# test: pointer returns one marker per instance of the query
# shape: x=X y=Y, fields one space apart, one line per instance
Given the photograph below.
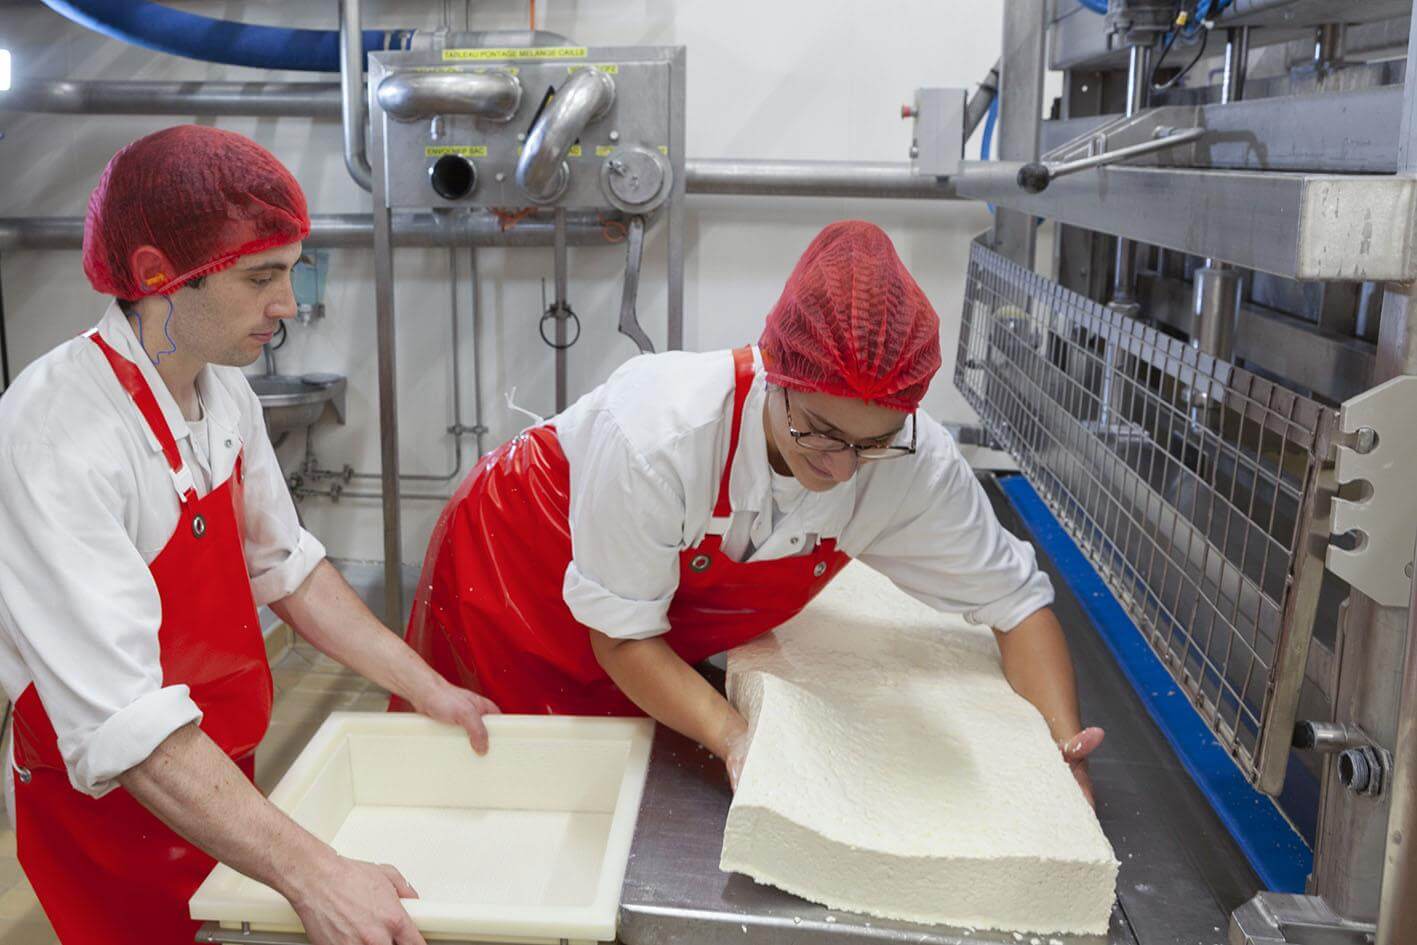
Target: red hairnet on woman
x=695 y=501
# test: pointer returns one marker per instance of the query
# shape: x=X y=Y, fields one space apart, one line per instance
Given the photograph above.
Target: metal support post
x=1124 y=280
x=1354 y=831
x=1397 y=914
x=1020 y=114
x=561 y=312
x=1217 y=284
x=386 y=337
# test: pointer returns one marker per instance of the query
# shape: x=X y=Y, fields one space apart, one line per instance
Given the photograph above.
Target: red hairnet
x=203 y=196
x=852 y=322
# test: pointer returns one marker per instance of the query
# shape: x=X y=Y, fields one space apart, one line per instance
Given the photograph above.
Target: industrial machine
x=1212 y=395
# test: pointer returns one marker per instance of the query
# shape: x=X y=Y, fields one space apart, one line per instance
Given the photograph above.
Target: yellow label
x=463 y=150
x=608 y=68
x=533 y=52
x=664 y=149
x=575 y=150
x=508 y=70
x=603 y=150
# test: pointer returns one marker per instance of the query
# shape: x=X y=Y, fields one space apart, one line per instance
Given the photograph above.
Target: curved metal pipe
x=586 y=96
x=410 y=96
x=351 y=73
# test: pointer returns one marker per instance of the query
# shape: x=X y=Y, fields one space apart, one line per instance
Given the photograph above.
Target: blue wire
x=172 y=344
x=1096 y=6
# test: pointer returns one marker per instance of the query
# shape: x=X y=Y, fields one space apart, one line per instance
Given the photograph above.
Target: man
x=696 y=501
x=144 y=517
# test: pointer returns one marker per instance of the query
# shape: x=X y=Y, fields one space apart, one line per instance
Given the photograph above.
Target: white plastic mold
x=528 y=843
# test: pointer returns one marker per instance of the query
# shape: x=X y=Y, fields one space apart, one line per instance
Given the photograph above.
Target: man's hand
x=350 y=902
x=447 y=703
x=1075 y=751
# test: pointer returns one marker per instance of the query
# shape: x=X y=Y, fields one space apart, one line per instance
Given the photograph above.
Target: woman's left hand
x=1075 y=751
x=461 y=707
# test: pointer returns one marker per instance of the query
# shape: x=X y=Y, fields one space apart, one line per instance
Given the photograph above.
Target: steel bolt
x=1367 y=440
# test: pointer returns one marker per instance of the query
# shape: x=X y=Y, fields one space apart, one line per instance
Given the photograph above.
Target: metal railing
x=1191 y=484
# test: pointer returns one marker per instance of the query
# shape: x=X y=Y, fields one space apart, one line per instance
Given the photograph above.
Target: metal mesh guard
x=1189 y=483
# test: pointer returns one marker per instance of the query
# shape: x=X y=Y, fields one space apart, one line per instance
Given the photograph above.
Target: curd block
x=528 y=843
x=893 y=771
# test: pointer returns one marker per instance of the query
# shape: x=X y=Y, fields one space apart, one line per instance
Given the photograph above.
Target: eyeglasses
x=821 y=443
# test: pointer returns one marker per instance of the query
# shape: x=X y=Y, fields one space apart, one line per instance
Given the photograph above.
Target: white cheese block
x=894 y=772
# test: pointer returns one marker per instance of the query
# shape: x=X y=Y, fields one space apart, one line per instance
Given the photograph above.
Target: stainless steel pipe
x=813 y=179
x=725 y=177
x=257 y=99
x=349 y=230
x=352 y=101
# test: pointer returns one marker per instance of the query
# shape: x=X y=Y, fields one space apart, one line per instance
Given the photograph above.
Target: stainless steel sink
x=294 y=403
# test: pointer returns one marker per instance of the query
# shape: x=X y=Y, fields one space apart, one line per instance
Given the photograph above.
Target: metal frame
x=1202 y=520
x=384 y=200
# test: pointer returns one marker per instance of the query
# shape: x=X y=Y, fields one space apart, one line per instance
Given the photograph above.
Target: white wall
x=799 y=79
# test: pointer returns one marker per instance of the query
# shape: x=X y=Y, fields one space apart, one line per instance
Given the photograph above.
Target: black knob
x=1034 y=177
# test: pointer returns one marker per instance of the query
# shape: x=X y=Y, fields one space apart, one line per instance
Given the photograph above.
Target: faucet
x=270 y=354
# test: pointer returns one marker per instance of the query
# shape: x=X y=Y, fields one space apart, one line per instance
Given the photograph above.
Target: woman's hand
x=461 y=707
x=1075 y=751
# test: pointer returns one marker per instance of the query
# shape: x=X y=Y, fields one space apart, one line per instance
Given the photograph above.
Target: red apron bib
x=106 y=870
x=489 y=614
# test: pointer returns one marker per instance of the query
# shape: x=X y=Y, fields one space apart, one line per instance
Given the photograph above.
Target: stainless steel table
x=1181 y=873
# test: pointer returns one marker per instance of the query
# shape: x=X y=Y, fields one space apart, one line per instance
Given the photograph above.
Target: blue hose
x=987 y=138
x=154 y=26
x=1096 y=6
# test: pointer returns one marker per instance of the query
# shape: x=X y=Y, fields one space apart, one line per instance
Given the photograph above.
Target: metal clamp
x=1381 y=451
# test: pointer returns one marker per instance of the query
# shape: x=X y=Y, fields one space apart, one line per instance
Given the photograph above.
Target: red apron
x=489 y=614
x=106 y=870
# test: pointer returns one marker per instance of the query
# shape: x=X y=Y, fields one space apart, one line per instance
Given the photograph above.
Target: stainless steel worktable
x=1181 y=872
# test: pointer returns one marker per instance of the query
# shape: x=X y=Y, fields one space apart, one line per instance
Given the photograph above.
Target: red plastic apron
x=106 y=870
x=489 y=614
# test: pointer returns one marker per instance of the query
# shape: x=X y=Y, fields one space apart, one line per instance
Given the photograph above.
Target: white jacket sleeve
x=78 y=604
x=280 y=554
x=627 y=526
x=945 y=547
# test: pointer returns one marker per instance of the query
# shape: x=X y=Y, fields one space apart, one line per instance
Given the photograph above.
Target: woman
x=696 y=501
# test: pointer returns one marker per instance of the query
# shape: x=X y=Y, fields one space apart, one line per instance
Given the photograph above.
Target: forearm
x=327 y=612
x=192 y=786
x=1039 y=667
x=669 y=690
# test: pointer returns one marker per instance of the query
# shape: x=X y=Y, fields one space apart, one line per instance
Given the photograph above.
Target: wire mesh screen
x=1189 y=483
